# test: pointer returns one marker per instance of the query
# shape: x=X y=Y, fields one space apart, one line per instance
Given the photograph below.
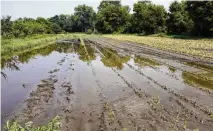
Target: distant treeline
x=183 y=18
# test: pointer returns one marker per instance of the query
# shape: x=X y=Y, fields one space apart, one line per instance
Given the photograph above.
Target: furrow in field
x=200 y=74
x=139 y=93
x=38 y=105
x=205 y=110
x=191 y=66
x=167 y=54
x=202 y=83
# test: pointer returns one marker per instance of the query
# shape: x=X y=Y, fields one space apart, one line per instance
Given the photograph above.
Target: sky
x=49 y=8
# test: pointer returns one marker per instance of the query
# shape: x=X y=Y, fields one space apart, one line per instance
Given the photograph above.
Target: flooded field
x=104 y=84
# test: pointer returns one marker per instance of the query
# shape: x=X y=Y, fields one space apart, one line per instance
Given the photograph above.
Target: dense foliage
x=201 y=13
x=187 y=17
x=148 y=18
x=178 y=21
x=112 y=17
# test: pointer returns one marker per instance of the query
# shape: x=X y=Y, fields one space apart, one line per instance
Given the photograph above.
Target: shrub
x=89 y=31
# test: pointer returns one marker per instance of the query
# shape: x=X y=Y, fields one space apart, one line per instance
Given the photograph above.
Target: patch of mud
x=36 y=103
x=53 y=71
x=68 y=41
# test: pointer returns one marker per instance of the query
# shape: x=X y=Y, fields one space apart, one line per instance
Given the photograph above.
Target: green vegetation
x=199 y=47
x=183 y=18
x=112 y=17
x=53 y=125
x=178 y=21
x=111 y=114
x=148 y=18
x=81 y=21
x=11 y=47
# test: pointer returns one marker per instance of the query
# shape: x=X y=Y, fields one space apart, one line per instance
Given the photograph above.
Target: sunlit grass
x=199 y=47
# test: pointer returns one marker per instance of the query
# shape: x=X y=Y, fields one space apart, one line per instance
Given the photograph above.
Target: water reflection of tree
x=11 y=64
x=91 y=52
x=4 y=75
x=26 y=56
x=196 y=80
x=112 y=59
x=86 y=54
x=45 y=51
x=64 y=48
x=142 y=61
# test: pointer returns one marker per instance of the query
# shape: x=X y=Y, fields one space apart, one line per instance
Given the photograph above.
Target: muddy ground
x=106 y=84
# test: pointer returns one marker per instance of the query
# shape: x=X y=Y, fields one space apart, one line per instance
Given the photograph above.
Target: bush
x=89 y=31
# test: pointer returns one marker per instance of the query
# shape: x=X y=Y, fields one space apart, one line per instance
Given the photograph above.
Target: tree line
x=183 y=18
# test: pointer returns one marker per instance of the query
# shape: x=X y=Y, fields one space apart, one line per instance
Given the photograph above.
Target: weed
x=53 y=125
x=111 y=114
x=124 y=129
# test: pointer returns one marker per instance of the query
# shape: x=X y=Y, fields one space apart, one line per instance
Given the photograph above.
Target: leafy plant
x=53 y=125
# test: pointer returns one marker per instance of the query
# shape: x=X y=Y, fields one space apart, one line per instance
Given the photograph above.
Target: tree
x=6 y=27
x=178 y=21
x=194 y=17
x=112 y=17
x=61 y=20
x=56 y=28
x=148 y=18
x=201 y=13
x=106 y=3
x=46 y=23
x=28 y=26
x=85 y=16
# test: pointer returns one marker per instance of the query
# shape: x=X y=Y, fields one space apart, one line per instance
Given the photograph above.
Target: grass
x=11 y=47
x=199 y=47
x=53 y=125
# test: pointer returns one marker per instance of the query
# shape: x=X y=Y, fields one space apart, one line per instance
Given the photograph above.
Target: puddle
x=145 y=61
x=87 y=73
x=22 y=73
x=195 y=80
x=112 y=59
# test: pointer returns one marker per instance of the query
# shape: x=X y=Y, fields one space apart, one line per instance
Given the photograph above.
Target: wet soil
x=105 y=84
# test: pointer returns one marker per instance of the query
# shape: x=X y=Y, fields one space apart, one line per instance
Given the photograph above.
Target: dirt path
x=102 y=85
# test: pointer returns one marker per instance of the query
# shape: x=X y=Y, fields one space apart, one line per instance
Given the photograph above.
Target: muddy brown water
x=103 y=85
